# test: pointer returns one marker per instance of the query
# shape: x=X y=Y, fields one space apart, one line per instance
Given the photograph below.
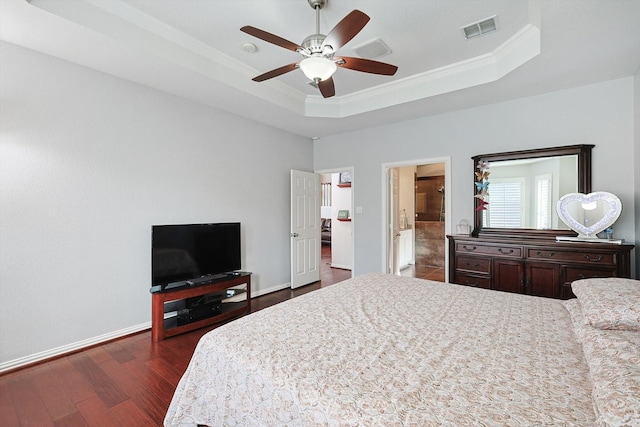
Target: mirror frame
x=584 y=186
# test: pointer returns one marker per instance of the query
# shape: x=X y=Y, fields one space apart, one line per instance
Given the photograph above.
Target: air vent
x=480 y=28
x=372 y=49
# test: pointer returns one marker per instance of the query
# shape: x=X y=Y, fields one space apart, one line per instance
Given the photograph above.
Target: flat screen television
x=194 y=252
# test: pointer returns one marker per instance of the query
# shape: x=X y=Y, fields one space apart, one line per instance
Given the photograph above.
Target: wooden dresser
x=534 y=267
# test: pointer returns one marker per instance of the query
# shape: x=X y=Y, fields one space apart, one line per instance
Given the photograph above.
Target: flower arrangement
x=482 y=185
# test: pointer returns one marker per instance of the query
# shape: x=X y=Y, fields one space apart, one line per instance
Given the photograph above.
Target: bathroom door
x=394 y=222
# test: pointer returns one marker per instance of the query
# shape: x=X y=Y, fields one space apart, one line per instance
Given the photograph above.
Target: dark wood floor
x=127 y=382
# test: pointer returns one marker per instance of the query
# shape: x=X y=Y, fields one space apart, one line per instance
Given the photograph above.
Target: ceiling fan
x=318 y=51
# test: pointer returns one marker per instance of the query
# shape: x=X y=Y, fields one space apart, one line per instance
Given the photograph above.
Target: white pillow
x=609 y=303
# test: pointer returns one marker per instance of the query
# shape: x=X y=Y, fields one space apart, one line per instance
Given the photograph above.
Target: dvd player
x=198 y=312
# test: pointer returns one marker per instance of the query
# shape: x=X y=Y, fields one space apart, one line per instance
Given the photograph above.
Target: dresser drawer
x=471 y=280
x=582 y=257
x=499 y=250
x=576 y=273
x=478 y=265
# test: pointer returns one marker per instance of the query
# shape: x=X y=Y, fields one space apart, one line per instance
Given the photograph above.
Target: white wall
x=88 y=162
x=600 y=114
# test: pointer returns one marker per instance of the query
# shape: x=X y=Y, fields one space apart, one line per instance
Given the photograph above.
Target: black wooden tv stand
x=172 y=310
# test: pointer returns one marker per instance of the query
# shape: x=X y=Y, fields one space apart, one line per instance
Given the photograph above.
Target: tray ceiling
x=194 y=49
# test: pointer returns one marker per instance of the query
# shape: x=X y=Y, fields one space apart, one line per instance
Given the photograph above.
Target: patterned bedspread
x=381 y=350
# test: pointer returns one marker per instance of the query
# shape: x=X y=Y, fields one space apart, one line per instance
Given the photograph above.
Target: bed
x=383 y=350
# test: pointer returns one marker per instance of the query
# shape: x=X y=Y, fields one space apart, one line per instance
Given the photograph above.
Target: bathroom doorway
x=430 y=221
x=422 y=220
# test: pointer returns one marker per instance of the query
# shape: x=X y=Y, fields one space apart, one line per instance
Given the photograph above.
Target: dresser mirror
x=523 y=190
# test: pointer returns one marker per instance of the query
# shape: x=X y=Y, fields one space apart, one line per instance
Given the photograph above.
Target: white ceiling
x=193 y=48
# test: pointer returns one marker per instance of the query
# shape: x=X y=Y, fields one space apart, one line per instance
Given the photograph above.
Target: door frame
x=353 y=213
x=384 y=226
x=393 y=230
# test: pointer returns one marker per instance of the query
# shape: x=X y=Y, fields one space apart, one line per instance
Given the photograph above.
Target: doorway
x=421 y=218
x=336 y=216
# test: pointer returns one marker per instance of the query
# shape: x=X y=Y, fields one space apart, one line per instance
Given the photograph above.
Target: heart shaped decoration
x=589 y=214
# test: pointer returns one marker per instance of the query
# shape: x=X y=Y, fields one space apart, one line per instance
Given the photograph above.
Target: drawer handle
x=502 y=251
x=475 y=285
x=476 y=265
x=551 y=254
x=588 y=258
x=467 y=248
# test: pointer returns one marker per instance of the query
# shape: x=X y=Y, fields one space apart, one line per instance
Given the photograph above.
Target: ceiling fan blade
x=346 y=29
x=271 y=38
x=275 y=73
x=327 y=88
x=367 y=66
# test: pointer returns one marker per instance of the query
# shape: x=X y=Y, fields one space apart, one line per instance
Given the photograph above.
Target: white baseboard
x=269 y=290
x=69 y=348
x=343 y=267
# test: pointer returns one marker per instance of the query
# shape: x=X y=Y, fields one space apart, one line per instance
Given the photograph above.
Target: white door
x=305 y=228
x=394 y=222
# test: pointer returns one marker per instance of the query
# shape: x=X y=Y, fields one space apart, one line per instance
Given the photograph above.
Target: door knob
x=294 y=234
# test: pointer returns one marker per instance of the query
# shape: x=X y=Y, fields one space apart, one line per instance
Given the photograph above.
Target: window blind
x=505 y=207
x=543 y=202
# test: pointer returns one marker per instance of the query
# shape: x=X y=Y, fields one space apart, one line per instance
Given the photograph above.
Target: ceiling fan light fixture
x=318 y=68
x=318 y=51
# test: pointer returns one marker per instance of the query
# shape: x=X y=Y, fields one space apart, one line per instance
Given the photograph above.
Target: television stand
x=178 y=310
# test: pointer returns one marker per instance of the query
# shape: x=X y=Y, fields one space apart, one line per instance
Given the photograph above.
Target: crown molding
x=519 y=49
